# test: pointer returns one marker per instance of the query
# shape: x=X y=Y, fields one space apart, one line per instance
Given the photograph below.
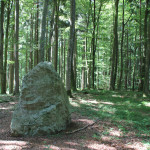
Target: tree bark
x=31 y=45
x=1 y=47
x=126 y=63
x=56 y=34
x=71 y=47
x=36 y=51
x=140 y=50
x=6 y=45
x=122 y=40
x=147 y=51
x=43 y=30
x=115 y=50
x=93 y=46
x=51 y=35
x=16 y=47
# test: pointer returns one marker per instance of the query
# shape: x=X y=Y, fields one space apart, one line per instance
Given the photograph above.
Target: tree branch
x=83 y=128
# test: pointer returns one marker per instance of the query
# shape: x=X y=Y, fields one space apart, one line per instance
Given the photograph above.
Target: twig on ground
x=83 y=128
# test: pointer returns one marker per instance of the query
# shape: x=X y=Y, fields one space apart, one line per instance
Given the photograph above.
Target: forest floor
x=124 y=124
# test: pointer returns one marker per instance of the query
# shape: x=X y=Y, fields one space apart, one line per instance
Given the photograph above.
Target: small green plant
x=96 y=136
x=48 y=147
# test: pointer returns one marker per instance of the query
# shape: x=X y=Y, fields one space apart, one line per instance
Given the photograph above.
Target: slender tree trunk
x=36 y=52
x=140 y=88
x=16 y=47
x=51 y=34
x=56 y=34
x=64 y=60
x=43 y=30
x=93 y=46
x=83 y=70
x=134 y=71
x=88 y=66
x=61 y=58
x=31 y=45
x=71 y=47
x=122 y=40
x=74 y=66
x=1 y=47
x=26 y=59
x=115 y=50
x=147 y=51
x=46 y=43
x=127 y=63
x=6 y=46
x=11 y=66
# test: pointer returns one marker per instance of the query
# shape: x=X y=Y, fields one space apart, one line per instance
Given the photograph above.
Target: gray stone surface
x=43 y=107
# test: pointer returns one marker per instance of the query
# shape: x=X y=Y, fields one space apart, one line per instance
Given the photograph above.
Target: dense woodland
x=93 y=44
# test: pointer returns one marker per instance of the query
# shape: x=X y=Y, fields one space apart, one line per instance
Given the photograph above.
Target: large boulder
x=43 y=107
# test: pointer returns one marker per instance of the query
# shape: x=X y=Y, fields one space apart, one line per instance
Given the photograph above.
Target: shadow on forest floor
x=129 y=111
x=124 y=123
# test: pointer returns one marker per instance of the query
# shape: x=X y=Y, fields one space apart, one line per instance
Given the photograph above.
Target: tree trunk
x=36 y=51
x=126 y=64
x=31 y=45
x=71 y=47
x=1 y=47
x=64 y=60
x=93 y=46
x=74 y=67
x=43 y=30
x=140 y=50
x=11 y=66
x=115 y=50
x=6 y=45
x=16 y=47
x=83 y=69
x=147 y=51
x=122 y=40
x=51 y=34
x=56 y=34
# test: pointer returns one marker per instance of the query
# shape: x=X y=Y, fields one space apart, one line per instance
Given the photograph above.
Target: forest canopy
x=98 y=44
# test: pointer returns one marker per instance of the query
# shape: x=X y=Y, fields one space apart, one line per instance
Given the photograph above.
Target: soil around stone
x=92 y=138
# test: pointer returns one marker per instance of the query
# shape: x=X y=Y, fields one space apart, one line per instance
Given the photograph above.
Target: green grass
x=127 y=110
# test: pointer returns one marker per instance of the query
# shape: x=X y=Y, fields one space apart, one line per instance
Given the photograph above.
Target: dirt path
x=93 y=138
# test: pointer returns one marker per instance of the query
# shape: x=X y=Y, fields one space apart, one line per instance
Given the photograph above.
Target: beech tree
x=43 y=30
x=115 y=49
x=71 y=46
x=3 y=91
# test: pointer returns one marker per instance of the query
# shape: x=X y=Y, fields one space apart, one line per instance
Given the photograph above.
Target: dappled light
x=122 y=125
x=116 y=133
x=107 y=103
x=6 y=108
x=9 y=145
x=96 y=146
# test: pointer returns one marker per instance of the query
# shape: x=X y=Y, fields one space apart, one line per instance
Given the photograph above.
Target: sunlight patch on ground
x=71 y=143
x=51 y=147
x=107 y=103
x=75 y=104
x=86 y=121
x=115 y=133
x=117 y=96
x=92 y=102
x=146 y=104
x=136 y=146
x=96 y=146
x=6 y=108
x=12 y=145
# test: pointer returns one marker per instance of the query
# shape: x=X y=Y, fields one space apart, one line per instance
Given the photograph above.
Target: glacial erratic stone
x=43 y=107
